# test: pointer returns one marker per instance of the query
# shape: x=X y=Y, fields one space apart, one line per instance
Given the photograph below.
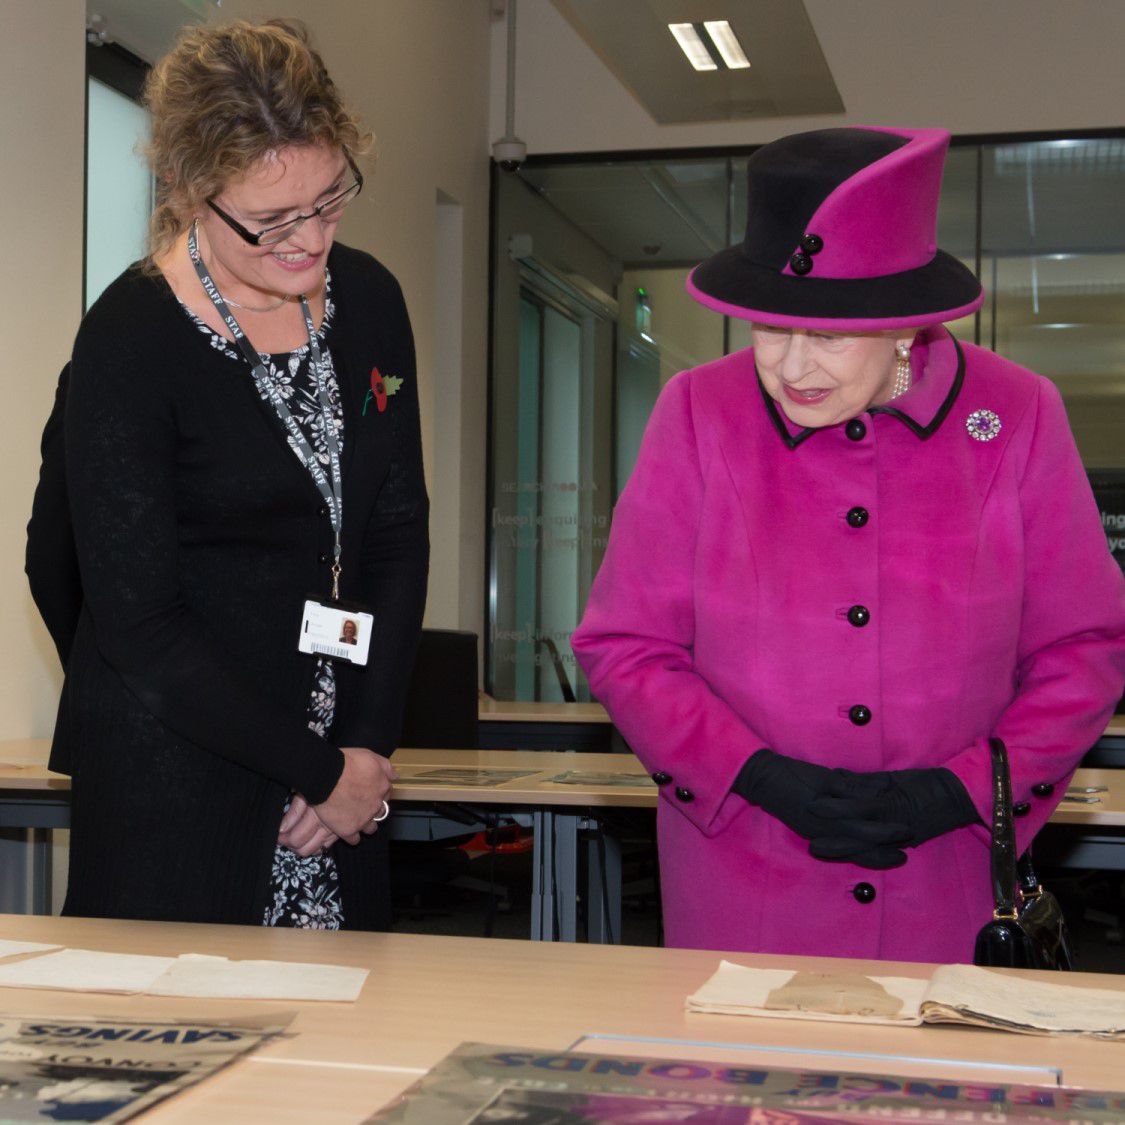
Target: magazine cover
x=479 y=1083
x=84 y=1069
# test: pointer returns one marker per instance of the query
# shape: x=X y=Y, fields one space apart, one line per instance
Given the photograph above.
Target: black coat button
x=322 y=558
x=661 y=778
x=857 y=517
x=863 y=892
x=1021 y=808
x=800 y=263
x=685 y=795
x=1043 y=789
x=859 y=615
x=859 y=715
x=855 y=430
x=812 y=244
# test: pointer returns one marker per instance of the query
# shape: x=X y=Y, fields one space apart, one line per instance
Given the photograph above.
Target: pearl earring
x=902 y=370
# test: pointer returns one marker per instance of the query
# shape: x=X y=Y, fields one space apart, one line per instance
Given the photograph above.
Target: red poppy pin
x=382 y=387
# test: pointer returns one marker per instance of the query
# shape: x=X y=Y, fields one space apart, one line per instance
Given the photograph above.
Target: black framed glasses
x=270 y=236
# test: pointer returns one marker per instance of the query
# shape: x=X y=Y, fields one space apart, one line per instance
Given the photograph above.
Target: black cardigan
x=198 y=535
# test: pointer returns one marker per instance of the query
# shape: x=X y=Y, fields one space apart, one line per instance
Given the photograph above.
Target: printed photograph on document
x=335 y=631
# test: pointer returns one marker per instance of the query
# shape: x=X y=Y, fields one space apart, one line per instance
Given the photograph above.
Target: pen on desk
x=1078 y=799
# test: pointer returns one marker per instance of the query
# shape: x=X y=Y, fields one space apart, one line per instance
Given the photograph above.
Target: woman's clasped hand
x=861 y=818
x=364 y=785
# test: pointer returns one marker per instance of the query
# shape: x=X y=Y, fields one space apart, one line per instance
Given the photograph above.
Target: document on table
x=596 y=778
x=467 y=776
x=963 y=994
x=191 y=974
x=14 y=948
x=86 y=970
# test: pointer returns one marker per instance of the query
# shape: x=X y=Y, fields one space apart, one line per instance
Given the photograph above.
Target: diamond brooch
x=983 y=425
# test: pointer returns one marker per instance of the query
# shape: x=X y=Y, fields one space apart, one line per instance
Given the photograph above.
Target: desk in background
x=544 y=726
x=31 y=797
x=426 y=994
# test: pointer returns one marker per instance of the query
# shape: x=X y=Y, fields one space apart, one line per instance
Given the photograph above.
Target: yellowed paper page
x=14 y=948
x=968 y=994
x=781 y=993
x=194 y=974
x=85 y=970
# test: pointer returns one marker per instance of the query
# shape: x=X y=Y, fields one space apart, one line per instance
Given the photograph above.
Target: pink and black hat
x=842 y=234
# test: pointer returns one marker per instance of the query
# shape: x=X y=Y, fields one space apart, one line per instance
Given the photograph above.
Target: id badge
x=330 y=629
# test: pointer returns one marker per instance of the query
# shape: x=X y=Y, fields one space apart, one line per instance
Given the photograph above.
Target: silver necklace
x=255 y=309
x=235 y=304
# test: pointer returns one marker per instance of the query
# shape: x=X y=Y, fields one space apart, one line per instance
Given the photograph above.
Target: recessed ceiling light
x=693 y=46
x=727 y=43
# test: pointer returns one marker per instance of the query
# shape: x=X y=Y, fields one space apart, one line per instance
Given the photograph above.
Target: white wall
x=42 y=114
x=968 y=66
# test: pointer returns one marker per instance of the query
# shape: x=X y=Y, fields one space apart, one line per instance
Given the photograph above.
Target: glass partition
x=118 y=186
x=591 y=318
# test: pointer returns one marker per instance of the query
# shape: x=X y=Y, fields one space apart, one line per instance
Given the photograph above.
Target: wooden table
x=544 y=726
x=427 y=994
x=34 y=798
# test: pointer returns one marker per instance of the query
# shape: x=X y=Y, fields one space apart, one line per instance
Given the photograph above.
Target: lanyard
x=332 y=490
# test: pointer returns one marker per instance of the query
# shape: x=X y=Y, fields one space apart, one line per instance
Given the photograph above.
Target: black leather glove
x=789 y=789
x=927 y=803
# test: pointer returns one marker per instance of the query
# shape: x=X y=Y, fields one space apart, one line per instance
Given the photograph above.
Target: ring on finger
x=382 y=815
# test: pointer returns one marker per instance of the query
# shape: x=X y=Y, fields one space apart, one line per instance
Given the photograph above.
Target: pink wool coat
x=719 y=624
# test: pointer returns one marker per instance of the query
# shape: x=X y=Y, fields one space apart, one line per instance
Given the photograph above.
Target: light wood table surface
x=427 y=994
x=23 y=766
x=499 y=710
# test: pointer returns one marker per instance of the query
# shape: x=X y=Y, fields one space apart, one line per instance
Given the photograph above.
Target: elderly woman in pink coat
x=846 y=558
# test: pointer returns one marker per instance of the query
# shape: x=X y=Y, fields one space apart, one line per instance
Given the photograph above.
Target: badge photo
x=336 y=631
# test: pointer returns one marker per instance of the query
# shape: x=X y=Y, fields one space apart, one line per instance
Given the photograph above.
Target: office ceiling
x=675 y=212
x=146 y=27
x=788 y=75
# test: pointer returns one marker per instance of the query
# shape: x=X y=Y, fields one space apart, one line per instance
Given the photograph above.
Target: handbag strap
x=1003 y=835
x=1029 y=885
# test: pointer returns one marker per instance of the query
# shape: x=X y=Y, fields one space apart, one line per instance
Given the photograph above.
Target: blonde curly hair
x=223 y=98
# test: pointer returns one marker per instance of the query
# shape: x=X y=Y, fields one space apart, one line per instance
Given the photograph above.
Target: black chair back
x=441 y=702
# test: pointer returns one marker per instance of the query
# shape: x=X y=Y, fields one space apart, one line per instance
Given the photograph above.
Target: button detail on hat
x=812 y=244
x=661 y=778
x=859 y=615
x=1021 y=808
x=863 y=892
x=858 y=516
x=859 y=715
x=855 y=430
x=1043 y=789
x=685 y=795
x=800 y=263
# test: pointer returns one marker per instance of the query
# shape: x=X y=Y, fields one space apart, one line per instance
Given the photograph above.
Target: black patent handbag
x=1027 y=930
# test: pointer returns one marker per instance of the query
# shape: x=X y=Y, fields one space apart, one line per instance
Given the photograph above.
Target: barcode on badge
x=332 y=650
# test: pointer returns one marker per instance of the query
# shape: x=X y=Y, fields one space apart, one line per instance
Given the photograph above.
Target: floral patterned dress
x=304 y=891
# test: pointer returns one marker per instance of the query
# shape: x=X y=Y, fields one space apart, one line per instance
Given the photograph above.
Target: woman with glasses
x=243 y=461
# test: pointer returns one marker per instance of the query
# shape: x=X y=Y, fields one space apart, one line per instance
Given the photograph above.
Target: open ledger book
x=961 y=994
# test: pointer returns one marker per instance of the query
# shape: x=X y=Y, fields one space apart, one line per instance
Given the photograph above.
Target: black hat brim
x=944 y=289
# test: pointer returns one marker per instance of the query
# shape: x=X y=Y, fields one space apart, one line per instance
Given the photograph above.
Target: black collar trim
x=923 y=433
x=790 y=440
